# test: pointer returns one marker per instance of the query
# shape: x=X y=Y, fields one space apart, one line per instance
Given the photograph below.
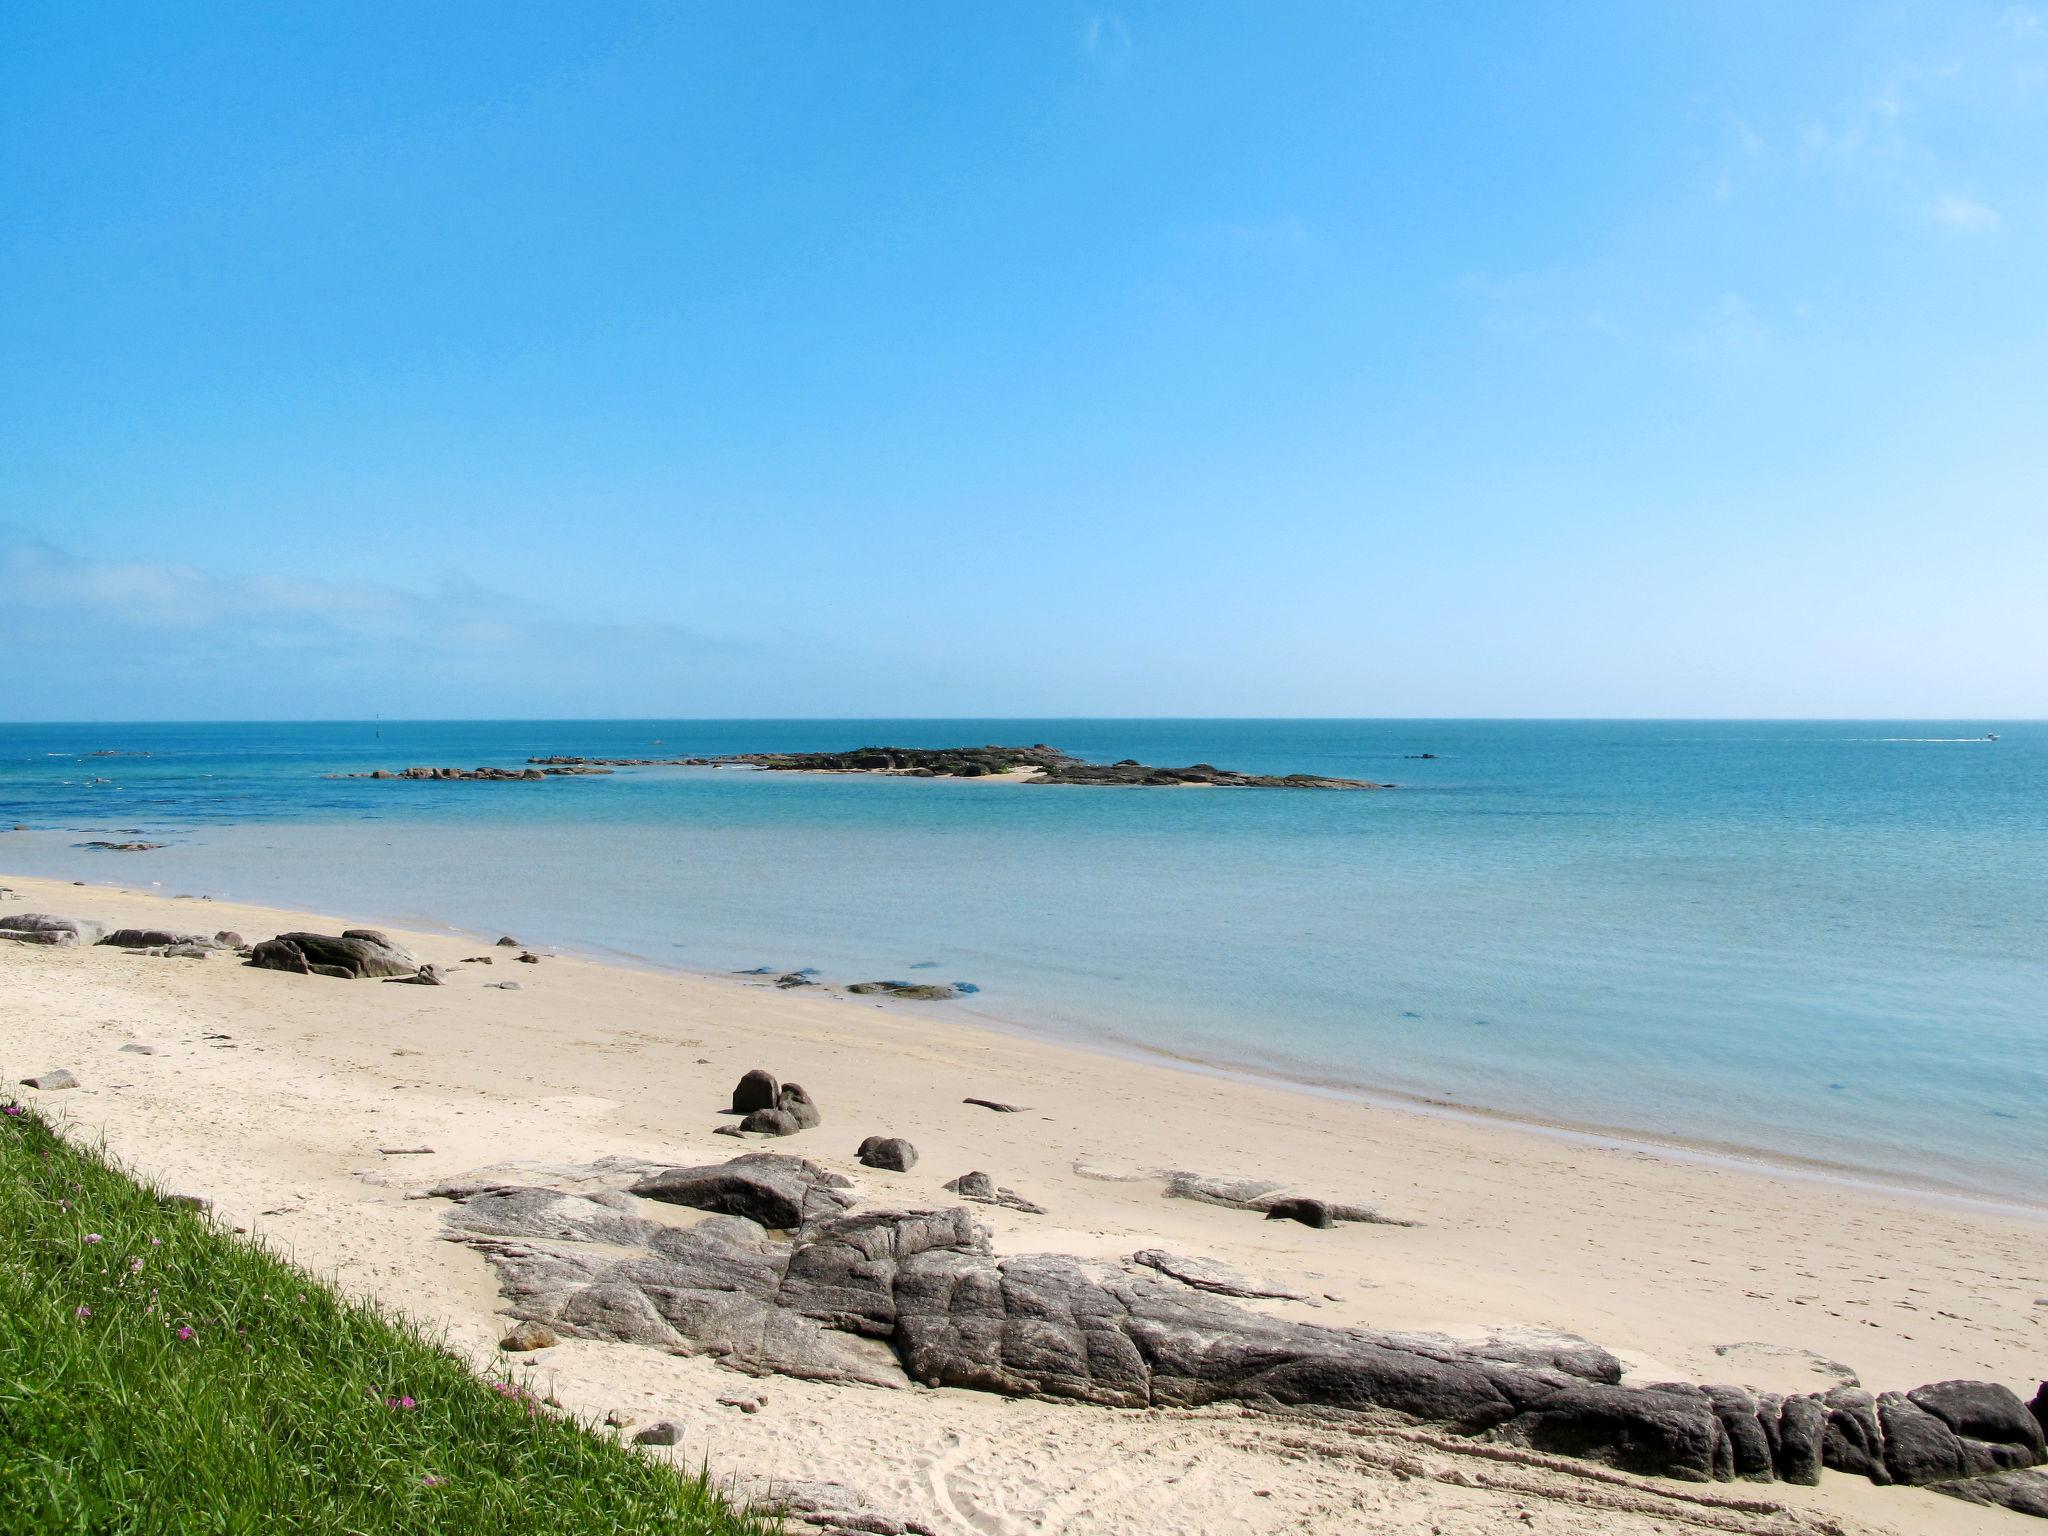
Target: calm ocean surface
x=1820 y=940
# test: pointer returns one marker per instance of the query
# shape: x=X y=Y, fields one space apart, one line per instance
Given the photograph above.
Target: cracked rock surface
x=898 y=1297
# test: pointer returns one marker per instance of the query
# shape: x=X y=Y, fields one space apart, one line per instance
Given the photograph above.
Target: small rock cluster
x=770 y=1108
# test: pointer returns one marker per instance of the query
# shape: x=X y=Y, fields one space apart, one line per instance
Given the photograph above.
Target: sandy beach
x=272 y=1095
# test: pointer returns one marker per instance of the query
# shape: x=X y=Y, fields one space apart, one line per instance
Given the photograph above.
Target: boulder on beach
x=357 y=954
x=52 y=1081
x=757 y=1089
x=891 y=1153
x=773 y=1188
x=979 y=1187
x=799 y=1106
x=42 y=928
x=770 y=1122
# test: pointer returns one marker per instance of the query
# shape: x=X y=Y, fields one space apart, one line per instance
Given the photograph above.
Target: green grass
x=159 y=1374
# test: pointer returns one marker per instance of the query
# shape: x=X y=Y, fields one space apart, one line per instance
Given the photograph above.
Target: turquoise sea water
x=1818 y=940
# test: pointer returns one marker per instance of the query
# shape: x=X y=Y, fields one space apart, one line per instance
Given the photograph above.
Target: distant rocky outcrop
x=927 y=1287
x=1040 y=764
x=496 y=775
x=358 y=953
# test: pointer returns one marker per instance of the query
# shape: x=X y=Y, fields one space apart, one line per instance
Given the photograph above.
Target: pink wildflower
x=432 y=1481
x=14 y=1109
x=94 y=1237
x=185 y=1332
x=84 y=1312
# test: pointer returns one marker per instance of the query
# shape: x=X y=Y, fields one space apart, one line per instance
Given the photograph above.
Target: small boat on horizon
x=1991 y=735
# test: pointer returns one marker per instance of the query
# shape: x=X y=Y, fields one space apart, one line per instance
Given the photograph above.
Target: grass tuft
x=158 y=1374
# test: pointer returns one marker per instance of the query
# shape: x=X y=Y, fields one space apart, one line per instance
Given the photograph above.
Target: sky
x=487 y=360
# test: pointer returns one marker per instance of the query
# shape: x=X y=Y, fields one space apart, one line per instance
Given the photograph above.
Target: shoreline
x=1103 y=1043
x=278 y=1097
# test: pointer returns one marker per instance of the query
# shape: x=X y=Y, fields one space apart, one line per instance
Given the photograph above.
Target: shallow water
x=1816 y=940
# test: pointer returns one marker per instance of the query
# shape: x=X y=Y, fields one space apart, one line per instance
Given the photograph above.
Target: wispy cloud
x=157 y=633
x=1955 y=211
x=1107 y=37
x=1731 y=330
x=2021 y=21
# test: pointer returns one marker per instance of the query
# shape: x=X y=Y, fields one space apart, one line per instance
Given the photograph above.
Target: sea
x=1818 y=944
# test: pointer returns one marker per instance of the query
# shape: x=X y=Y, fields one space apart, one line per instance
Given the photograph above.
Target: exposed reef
x=1044 y=764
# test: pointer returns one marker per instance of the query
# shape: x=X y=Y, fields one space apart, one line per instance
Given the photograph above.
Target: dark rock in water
x=123 y=847
x=757 y=1090
x=797 y=1104
x=359 y=953
x=892 y=1153
x=2024 y=1493
x=759 y=970
x=907 y=991
x=1310 y=1213
x=771 y=1122
x=508 y=942
x=997 y=1105
x=791 y=979
x=50 y=1082
x=1046 y=765
x=772 y=1188
x=425 y=976
x=42 y=928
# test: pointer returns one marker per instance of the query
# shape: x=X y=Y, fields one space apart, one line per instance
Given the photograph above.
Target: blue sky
x=1580 y=359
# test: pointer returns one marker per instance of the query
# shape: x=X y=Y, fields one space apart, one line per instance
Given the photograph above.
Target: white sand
x=272 y=1094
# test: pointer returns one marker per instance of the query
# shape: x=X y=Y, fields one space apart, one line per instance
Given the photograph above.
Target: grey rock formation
x=357 y=953
x=890 y=1297
x=978 y=1186
x=1208 y=1275
x=1269 y=1198
x=771 y=1188
x=664 y=1432
x=42 y=928
x=891 y=1153
x=768 y=1122
x=907 y=991
x=425 y=976
x=2024 y=1493
x=799 y=1106
x=155 y=938
x=51 y=1081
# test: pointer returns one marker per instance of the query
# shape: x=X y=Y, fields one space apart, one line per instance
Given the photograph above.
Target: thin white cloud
x=1954 y=211
x=1107 y=37
x=2021 y=21
x=1731 y=330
